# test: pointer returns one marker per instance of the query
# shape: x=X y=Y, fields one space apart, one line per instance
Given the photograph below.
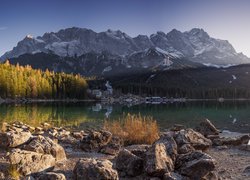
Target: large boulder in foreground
x=170 y=145
x=94 y=169
x=95 y=140
x=28 y=162
x=195 y=165
x=45 y=145
x=207 y=128
x=14 y=138
x=195 y=139
x=129 y=164
x=157 y=161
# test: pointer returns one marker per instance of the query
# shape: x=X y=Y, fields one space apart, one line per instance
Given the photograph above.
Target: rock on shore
x=92 y=169
x=28 y=162
x=56 y=153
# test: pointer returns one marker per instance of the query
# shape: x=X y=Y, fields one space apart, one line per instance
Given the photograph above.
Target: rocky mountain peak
x=197 y=32
x=160 y=33
x=29 y=36
x=195 y=45
x=174 y=32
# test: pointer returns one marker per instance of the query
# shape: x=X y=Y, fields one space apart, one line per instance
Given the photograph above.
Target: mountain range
x=84 y=51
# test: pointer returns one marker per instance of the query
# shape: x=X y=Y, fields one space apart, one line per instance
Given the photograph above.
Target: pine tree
x=24 y=82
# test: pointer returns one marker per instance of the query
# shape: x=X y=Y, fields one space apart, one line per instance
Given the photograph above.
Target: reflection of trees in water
x=191 y=113
x=34 y=114
x=31 y=114
x=81 y=115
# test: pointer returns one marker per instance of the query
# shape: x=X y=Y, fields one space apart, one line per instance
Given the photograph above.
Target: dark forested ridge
x=199 y=82
x=233 y=82
x=102 y=64
x=24 y=82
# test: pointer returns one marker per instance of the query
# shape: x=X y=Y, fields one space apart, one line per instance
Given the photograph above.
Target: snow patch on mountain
x=29 y=36
x=64 y=48
x=39 y=40
x=150 y=78
x=175 y=54
x=36 y=51
x=107 y=69
x=218 y=66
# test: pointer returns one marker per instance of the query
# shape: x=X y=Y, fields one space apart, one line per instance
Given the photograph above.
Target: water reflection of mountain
x=233 y=116
x=98 y=107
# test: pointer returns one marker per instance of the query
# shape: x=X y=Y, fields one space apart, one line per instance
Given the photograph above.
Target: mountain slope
x=105 y=63
x=194 y=45
x=205 y=82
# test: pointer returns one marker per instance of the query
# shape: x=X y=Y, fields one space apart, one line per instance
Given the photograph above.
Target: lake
x=228 y=115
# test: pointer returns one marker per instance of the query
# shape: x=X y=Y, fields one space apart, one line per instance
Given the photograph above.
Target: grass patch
x=13 y=172
x=134 y=129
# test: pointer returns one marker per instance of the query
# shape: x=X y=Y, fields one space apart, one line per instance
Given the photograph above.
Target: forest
x=196 y=83
x=24 y=82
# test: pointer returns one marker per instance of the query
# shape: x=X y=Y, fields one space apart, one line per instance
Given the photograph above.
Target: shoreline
x=70 y=153
x=175 y=100
x=24 y=101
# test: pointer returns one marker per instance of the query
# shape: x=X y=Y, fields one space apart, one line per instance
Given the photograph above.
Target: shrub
x=13 y=172
x=134 y=129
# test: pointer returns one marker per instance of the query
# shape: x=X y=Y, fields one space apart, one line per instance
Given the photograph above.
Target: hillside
x=206 y=82
x=17 y=82
x=104 y=64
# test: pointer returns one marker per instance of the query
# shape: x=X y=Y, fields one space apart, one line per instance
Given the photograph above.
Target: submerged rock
x=195 y=164
x=129 y=164
x=94 y=169
x=28 y=162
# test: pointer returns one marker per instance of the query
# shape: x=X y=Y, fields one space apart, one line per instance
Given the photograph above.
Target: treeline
x=24 y=82
x=200 y=83
x=192 y=93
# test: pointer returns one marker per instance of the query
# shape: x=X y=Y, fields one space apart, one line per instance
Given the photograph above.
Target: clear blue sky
x=224 y=19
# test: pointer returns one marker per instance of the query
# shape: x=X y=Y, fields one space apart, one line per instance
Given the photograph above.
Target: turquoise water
x=229 y=115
